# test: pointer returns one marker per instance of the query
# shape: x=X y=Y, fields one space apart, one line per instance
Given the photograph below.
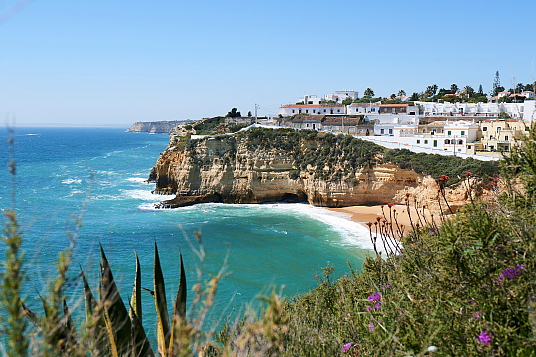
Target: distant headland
x=157 y=127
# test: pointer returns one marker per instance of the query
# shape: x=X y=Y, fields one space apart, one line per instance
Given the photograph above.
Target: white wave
x=146 y=195
x=71 y=181
x=104 y=172
x=33 y=134
x=351 y=233
x=137 y=179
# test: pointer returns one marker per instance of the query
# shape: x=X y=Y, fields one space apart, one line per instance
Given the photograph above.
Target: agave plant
x=112 y=329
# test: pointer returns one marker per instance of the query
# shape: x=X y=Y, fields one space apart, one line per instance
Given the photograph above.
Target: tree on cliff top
x=234 y=113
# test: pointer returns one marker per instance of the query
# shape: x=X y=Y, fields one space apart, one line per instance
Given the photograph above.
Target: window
x=463 y=132
x=307 y=110
x=418 y=141
x=324 y=110
x=424 y=130
x=293 y=111
x=338 y=110
x=381 y=131
x=390 y=131
x=426 y=141
x=435 y=143
x=460 y=142
x=447 y=141
x=506 y=138
x=449 y=132
x=314 y=110
x=468 y=147
x=485 y=128
x=498 y=128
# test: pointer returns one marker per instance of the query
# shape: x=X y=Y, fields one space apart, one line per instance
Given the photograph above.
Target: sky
x=116 y=62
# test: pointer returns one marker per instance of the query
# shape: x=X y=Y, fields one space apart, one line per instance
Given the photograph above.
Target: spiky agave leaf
x=32 y=316
x=163 y=331
x=95 y=325
x=179 y=310
x=116 y=318
x=135 y=304
x=89 y=299
x=115 y=314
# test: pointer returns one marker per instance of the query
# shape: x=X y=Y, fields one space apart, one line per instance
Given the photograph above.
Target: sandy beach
x=364 y=214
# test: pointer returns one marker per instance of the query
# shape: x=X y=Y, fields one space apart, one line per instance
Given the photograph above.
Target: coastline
x=365 y=214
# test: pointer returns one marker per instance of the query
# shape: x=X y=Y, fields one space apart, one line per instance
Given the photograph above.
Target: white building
x=310 y=99
x=340 y=95
x=451 y=136
x=385 y=113
x=523 y=110
x=312 y=109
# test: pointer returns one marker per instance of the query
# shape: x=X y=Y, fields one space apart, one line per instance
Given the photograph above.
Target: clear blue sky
x=80 y=62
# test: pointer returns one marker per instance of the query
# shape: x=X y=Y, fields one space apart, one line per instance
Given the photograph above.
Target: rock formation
x=282 y=166
x=155 y=127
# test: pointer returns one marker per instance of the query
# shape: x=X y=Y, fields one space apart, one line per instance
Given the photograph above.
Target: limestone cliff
x=277 y=166
x=155 y=126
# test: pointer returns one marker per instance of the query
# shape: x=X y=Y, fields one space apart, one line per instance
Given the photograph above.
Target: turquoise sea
x=101 y=173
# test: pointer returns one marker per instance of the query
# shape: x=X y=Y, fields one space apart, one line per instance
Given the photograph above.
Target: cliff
x=265 y=165
x=155 y=126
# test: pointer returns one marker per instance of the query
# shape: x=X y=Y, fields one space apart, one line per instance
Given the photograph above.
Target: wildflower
x=433 y=232
x=369 y=308
x=378 y=305
x=477 y=315
x=386 y=287
x=375 y=297
x=346 y=346
x=484 y=337
x=510 y=273
x=371 y=327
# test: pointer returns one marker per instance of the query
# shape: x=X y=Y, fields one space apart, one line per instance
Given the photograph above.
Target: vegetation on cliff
x=332 y=157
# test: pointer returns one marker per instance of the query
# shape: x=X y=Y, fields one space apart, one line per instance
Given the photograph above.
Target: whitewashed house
x=312 y=109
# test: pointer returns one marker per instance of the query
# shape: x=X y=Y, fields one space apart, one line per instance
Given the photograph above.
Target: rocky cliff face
x=249 y=168
x=155 y=126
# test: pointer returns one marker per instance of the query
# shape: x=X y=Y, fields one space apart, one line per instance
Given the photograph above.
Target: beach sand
x=364 y=214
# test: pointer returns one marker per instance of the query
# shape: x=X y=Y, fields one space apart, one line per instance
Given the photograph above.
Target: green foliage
x=347 y=101
x=234 y=113
x=208 y=127
x=436 y=165
x=12 y=322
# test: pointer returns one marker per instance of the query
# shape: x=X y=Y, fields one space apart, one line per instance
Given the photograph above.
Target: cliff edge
x=155 y=127
x=283 y=165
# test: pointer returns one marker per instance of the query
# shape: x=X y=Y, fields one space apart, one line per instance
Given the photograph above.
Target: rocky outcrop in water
x=265 y=165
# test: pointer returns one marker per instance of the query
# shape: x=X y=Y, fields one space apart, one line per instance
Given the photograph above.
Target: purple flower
x=484 y=337
x=386 y=287
x=477 y=315
x=369 y=308
x=378 y=305
x=371 y=327
x=375 y=297
x=511 y=273
x=346 y=346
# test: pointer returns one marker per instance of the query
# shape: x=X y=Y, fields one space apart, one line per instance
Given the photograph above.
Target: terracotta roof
x=339 y=120
x=394 y=105
x=301 y=106
x=305 y=118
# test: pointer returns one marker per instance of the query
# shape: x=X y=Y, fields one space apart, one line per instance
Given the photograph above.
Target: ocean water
x=99 y=174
